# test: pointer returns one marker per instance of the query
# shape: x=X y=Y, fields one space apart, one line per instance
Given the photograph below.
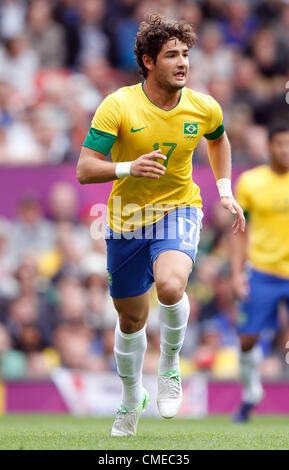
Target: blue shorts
x=130 y=255
x=260 y=310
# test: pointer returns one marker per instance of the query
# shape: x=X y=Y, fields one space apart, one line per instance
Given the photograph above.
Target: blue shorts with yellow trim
x=130 y=255
x=260 y=310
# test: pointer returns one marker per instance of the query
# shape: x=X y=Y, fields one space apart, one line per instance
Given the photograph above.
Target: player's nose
x=182 y=62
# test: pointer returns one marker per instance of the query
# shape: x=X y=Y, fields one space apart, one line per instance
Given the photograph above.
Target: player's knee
x=170 y=291
x=248 y=342
x=130 y=323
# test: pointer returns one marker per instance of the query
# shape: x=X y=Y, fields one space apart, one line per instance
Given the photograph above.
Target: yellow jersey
x=264 y=195
x=130 y=125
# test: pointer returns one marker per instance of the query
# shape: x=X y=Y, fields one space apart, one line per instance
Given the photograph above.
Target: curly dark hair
x=155 y=32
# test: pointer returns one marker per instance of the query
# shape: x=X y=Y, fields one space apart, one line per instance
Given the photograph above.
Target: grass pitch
x=56 y=432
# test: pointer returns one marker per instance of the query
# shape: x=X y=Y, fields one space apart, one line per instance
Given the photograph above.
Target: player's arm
x=219 y=153
x=93 y=168
x=239 y=244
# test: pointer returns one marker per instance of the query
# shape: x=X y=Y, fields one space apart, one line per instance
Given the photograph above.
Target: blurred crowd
x=60 y=58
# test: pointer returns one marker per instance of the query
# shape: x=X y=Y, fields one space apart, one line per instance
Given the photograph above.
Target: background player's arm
x=239 y=242
x=93 y=168
x=239 y=245
x=219 y=153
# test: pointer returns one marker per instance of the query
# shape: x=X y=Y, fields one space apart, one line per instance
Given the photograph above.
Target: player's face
x=279 y=149
x=172 y=65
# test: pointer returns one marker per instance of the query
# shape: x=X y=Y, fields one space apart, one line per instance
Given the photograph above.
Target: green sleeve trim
x=246 y=215
x=99 y=141
x=216 y=134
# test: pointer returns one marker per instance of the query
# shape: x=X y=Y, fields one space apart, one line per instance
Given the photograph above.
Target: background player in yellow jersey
x=155 y=212
x=263 y=192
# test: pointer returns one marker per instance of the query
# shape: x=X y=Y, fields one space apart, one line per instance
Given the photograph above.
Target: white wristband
x=122 y=169
x=224 y=187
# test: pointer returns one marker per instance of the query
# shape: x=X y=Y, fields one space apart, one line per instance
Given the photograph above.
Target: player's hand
x=146 y=167
x=240 y=285
x=231 y=204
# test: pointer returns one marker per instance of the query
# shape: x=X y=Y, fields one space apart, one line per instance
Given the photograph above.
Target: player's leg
x=173 y=257
x=171 y=272
x=129 y=350
x=130 y=346
x=173 y=252
x=129 y=282
x=172 y=264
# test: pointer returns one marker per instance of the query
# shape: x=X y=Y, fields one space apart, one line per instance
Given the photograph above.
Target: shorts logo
x=109 y=278
x=191 y=128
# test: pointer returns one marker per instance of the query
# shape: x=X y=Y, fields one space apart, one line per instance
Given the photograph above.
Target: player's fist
x=146 y=167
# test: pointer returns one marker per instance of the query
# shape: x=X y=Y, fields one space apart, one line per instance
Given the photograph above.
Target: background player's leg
x=130 y=346
x=252 y=392
x=171 y=272
x=250 y=360
x=258 y=312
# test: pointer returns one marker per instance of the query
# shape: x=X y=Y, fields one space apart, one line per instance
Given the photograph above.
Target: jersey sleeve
x=216 y=126
x=242 y=194
x=104 y=126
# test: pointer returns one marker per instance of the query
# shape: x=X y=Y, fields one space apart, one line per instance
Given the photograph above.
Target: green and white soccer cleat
x=170 y=393
x=126 y=422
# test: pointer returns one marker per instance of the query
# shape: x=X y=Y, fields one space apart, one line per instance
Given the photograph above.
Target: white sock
x=129 y=351
x=173 y=324
x=250 y=375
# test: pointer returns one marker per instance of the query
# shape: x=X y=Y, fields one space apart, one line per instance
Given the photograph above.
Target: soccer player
x=263 y=192
x=154 y=210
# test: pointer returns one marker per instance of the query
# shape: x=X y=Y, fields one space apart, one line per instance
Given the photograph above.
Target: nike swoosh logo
x=136 y=130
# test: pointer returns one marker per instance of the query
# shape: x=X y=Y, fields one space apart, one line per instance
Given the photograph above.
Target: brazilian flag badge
x=191 y=128
x=109 y=278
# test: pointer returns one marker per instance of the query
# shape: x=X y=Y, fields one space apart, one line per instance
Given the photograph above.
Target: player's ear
x=148 y=61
